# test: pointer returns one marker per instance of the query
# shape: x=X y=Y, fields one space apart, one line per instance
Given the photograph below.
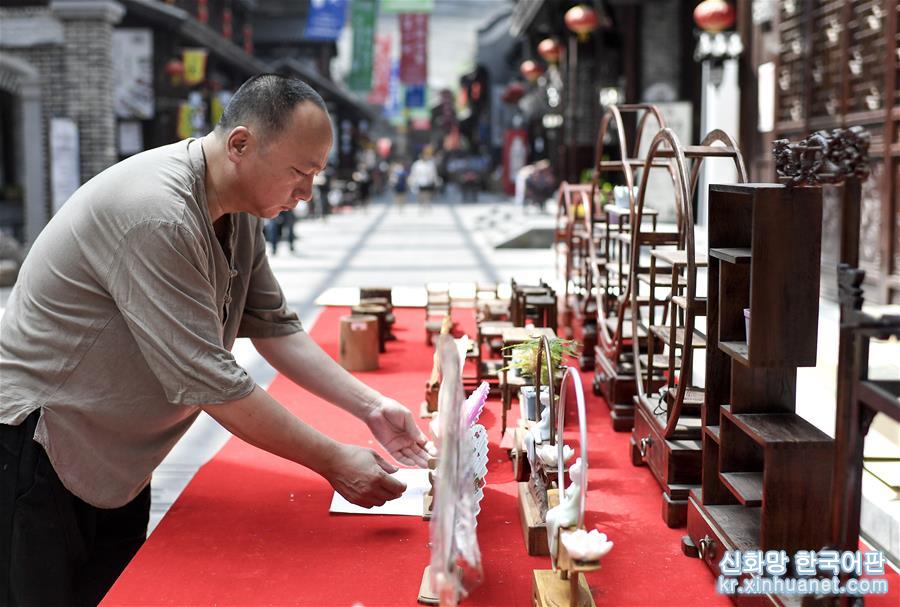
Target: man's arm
x=359 y=474
x=299 y=358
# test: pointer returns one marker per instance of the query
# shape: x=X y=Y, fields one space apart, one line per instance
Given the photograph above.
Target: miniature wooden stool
x=359 y=342
x=380 y=312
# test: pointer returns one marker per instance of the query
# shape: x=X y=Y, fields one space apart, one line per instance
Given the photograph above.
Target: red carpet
x=252 y=529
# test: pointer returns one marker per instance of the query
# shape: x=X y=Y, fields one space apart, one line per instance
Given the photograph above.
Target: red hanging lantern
x=550 y=50
x=531 y=70
x=248 y=38
x=174 y=69
x=512 y=93
x=582 y=20
x=714 y=15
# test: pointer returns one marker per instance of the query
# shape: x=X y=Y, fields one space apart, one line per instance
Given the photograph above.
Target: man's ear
x=239 y=143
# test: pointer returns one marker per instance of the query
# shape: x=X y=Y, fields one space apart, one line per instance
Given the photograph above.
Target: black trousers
x=56 y=549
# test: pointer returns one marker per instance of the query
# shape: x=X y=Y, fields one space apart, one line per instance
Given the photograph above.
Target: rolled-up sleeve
x=160 y=285
x=266 y=313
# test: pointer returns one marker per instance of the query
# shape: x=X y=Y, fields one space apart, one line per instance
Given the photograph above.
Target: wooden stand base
x=551 y=591
x=521 y=466
x=427 y=595
x=618 y=389
x=675 y=463
x=534 y=529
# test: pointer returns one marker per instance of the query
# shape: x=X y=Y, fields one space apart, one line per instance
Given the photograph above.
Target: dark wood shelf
x=777 y=428
x=740 y=524
x=737 y=350
x=731 y=255
x=746 y=486
x=678 y=257
x=663 y=331
x=699 y=304
x=713 y=433
x=693 y=397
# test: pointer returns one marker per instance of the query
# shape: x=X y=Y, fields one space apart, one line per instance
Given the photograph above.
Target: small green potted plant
x=524 y=360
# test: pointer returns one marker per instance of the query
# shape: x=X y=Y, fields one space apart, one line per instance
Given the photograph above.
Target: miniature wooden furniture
x=565 y=584
x=667 y=425
x=437 y=305
x=609 y=284
x=765 y=471
x=571 y=247
x=429 y=406
x=380 y=312
x=532 y=492
x=510 y=382
x=380 y=296
x=359 y=342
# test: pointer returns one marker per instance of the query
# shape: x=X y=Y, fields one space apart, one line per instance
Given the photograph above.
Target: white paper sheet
x=411 y=503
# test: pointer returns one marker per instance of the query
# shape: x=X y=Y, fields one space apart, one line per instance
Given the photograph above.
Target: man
x=118 y=333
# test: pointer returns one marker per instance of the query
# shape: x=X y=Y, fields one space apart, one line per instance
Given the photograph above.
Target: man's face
x=278 y=173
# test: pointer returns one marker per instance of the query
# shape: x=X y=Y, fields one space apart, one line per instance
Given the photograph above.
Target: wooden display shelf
x=649 y=238
x=693 y=397
x=612 y=324
x=746 y=486
x=678 y=257
x=738 y=350
x=660 y=361
x=699 y=304
x=732 y=255
x=661 y=281
x=740 y=523
x=663 y=332
x=766 y=481
x=777 y=428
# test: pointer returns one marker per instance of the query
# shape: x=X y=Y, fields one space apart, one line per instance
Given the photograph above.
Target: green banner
x=362 y=21
x=407 y=6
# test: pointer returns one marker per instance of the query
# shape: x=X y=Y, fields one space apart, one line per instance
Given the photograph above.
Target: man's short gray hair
x=267 y=100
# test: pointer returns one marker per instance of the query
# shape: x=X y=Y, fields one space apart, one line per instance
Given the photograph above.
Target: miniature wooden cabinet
x=766 y=471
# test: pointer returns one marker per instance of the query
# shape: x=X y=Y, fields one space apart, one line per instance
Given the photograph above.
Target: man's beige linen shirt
x=123 y=317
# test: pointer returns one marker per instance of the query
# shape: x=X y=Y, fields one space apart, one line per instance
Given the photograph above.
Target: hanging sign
x=413 y=48
x=362 y=21
x=415 y=96
x=381 y=74
x=65 y=160
x=194 y=60
x=325 y=19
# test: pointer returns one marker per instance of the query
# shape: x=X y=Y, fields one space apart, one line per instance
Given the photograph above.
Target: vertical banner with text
x=362 y=21
x=325 y=19
x=382 y=72
x=414 y=48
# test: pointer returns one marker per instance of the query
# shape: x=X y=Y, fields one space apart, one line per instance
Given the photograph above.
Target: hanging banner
x=381 y=74
x=194 y=60
x=413 y=48
x=132 y=56
x=325 y=19
x=362 y=21
x=407 y=6
x=393 y=109
x=415 y=96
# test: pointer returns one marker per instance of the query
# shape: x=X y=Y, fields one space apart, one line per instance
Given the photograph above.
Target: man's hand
x=394 y=427
x=362 y=477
